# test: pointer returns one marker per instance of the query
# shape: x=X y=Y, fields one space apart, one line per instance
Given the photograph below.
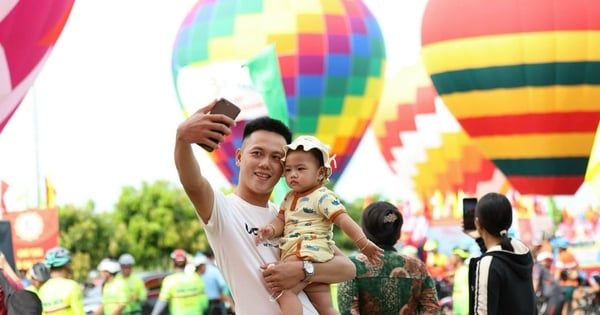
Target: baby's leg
x=288 y=301
x=320 y=296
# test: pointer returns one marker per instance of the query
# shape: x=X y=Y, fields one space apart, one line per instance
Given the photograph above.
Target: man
x=183 y=292
x=115 y=293
x=39 y=274
x=231 y=222
x=214 y=284
x=60 y=295
x=137 y=289
x=547 y=287
x=460 y=284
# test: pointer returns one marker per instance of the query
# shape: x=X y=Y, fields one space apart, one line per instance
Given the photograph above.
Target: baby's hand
x=373 y=252
x=264 y=233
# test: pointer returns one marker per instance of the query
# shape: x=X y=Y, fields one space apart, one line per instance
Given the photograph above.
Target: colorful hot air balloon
x=423 y=143
x=28 y=31
x=523 y=80
x=331 y=56
x=592 y=175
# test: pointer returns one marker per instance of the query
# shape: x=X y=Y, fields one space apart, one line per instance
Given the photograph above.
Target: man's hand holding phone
x=217 y=134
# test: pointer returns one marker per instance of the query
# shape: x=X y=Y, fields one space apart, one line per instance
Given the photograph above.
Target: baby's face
x=302 y=171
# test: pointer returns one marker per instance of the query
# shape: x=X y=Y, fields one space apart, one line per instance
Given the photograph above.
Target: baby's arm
x=271 y=230
x=345 y=222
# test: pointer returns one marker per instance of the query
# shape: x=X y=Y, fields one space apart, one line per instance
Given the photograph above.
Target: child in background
x=305 y=221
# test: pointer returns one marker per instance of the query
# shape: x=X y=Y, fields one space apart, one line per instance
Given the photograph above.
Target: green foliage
x=84 y=232
x=148 y=222
x=157 y=219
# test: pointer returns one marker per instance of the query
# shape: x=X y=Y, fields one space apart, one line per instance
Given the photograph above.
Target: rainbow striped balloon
x=331 y=56
x=523 y=79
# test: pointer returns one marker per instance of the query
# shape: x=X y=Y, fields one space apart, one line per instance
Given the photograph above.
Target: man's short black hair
x=268 y=124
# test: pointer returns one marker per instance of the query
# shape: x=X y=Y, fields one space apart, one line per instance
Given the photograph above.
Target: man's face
x=260 y=164
x=126 y=270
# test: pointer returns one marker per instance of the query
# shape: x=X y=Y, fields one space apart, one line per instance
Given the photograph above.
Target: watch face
x=308 y=266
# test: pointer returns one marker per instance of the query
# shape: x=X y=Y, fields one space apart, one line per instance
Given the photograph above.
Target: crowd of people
x=281 y=259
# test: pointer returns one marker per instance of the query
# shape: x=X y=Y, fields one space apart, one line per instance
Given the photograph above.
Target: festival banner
x=34 y=231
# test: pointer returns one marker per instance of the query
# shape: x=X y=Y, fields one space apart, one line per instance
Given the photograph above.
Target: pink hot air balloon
x=28 y=31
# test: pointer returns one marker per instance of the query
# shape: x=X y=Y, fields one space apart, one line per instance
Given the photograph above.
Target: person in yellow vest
x=137 y=289
x=115 y=293
x=60 y=295
x=460 y=286
x=38 y=274
x=183 y=292
x=436 y=262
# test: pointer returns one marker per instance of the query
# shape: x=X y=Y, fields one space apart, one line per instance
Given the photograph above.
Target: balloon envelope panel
x=28 y=31
x=422 y=142
x=523 y=80
x=331 y=56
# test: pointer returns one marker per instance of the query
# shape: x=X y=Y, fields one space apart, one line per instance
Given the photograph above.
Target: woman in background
x=500 y=280
x=398 y=284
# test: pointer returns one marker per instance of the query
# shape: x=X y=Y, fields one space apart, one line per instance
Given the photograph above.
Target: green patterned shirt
x=397 y=285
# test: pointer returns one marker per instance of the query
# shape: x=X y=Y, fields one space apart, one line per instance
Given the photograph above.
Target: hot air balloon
x=423 y=143
x=28 y=31
x=331 y=56
x=592 y=174
x=523 y=80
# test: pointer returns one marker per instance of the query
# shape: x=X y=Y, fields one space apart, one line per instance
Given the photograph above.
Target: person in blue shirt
x=214 y=283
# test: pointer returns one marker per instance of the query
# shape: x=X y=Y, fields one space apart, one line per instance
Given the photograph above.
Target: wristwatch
x=309 y=270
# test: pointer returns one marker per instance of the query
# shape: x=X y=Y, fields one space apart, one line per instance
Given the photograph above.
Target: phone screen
x=469 y=213
x=226 y=108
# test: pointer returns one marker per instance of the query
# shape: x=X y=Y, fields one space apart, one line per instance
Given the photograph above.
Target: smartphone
x=226 y=108
x=469 y=213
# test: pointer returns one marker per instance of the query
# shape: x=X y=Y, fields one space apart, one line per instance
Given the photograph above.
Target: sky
x=106 y=113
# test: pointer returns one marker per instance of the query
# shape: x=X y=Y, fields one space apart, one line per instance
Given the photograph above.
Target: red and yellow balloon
x=523 y=80
x=421 y=141
x=28 y=31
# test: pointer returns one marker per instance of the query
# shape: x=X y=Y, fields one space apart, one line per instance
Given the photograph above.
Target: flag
x=3 y=189
x=266 y=77
x=50 y=194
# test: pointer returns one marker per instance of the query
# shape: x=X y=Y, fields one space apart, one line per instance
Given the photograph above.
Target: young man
x=231 y=222
x=137 y=289
x=60 y=295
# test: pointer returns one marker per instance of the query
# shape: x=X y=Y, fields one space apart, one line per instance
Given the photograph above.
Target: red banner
x=34 y=231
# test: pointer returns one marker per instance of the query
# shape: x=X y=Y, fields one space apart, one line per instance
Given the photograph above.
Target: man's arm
x=285 y=275
x=198 y=128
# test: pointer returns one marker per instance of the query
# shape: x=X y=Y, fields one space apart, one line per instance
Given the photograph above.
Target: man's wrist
x=309 y=271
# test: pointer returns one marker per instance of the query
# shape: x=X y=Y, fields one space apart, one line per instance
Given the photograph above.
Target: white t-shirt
x=231 y=232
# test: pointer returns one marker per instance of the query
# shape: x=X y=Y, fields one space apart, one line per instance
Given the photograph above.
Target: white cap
x=109 y=265
x=199 y=260
x=544 y=255
x=308 y=143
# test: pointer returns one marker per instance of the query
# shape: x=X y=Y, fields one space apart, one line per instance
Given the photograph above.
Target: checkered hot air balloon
x=331 y=56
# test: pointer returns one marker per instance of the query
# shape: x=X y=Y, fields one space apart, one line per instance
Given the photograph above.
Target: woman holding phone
x=500 y=280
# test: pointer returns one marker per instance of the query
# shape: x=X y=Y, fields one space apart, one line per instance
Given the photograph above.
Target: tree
x=87 y=235
x=155 y=220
